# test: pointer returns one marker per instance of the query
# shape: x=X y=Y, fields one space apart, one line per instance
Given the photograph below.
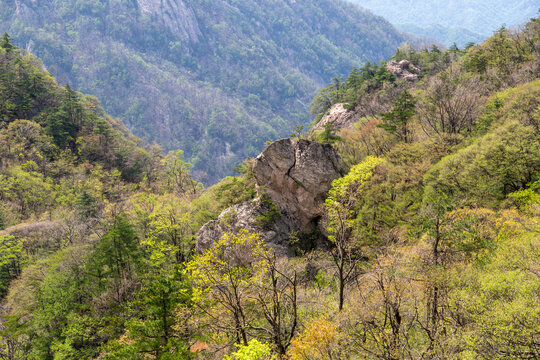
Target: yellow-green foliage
x=255 y=350
x=343 y=193
x=500 y=302
x=504 y=160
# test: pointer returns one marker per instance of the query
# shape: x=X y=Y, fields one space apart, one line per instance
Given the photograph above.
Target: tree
x=223 y=280
x=5 y=42
x=155 y=330
x=244 y=291
x=320 y=340
x=117 y=257
x=66 y=121
x=451 y=103
x=328 y=134
x=255 y=350
x=340 y=216
x=169 y=233
x=177 y=171
x=276 y=295
x=11 y=261
x=396 y=121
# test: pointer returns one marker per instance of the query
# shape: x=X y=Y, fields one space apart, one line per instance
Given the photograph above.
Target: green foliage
x=255 y=350
x=499 y=163
x=342 y=197
x=11 y=261
x=221 y=83
x=525 y=199
x=271 y=213
x=396 y=121
x=64 y=123
x=500 y=301
x=117 y=254
x=328 y=135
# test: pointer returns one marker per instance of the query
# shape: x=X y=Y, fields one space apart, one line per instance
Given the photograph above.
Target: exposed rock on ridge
x=403 y=70
x=338 y=116
x=294 y=175
x=178 y=17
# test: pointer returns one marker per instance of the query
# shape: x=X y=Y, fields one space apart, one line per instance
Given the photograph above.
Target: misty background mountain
x=459 y=21
x=216 y=78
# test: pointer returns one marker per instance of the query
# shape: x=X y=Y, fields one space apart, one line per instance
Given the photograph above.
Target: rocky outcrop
x=24 y=10
x=297 y=175
x=179 y=17
x=403 y=70
x=293 y=178
x=251 y=216
x=339 y=117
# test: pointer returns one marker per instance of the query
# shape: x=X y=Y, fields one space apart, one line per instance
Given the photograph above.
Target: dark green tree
x=65 y=122
x=328 y=134
x=86 y=205
x=396 y=121
x=5 y=42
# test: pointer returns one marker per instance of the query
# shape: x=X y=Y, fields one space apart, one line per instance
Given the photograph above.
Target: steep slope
x=481 y=17
x=216 y=78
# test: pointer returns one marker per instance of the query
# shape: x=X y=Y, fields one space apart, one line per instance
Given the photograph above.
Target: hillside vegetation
x=216 y=78
x=432 y=244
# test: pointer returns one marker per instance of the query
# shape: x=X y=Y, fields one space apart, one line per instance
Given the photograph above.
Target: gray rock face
x=248 y=216
x=178 y=17
x=403 y=70
x=338 y=116
x=295 y=176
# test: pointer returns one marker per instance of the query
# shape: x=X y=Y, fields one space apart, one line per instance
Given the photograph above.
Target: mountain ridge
x=222 y=82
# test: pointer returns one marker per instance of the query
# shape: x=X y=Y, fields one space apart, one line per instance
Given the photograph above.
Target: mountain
x=411 y=229
x=446 y=35
x=480 y=17
x=216 y=78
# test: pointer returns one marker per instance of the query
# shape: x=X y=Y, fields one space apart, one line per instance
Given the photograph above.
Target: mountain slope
x=433 y=234
x=479 y=16
x=216 y=83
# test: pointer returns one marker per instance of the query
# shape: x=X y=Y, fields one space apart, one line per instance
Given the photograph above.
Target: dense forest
x=216 y=78
x=432 y=235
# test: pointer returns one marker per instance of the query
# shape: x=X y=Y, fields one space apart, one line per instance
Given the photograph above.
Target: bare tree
x=451 y=103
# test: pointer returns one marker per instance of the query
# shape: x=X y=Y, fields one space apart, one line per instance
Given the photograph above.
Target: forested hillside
x=428 y=246
x=453 y=21
x=216 y=78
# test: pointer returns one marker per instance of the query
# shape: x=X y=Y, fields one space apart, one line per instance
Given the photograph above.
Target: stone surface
x=338 y=116
x=403 y=70
x=296 y=176
x=179 y=17
x=247 y=216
